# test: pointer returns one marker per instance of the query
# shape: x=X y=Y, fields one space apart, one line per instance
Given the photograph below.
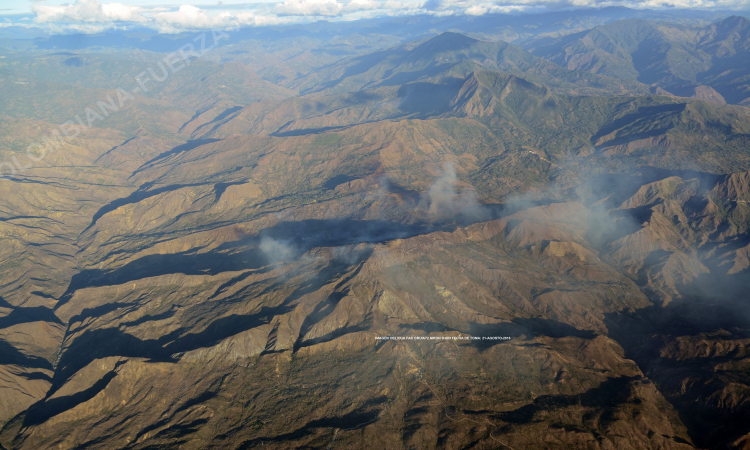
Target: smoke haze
x=442 y=200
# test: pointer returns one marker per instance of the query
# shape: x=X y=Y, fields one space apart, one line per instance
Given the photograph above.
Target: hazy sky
x=170 y=17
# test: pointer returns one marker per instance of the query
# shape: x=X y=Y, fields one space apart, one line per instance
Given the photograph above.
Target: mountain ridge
x=683 y=60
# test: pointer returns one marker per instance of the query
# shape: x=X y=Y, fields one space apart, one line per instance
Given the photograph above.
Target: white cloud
x=388 y=7
x=309 y=8
x=88 y=11
x=92 y=16
x=476 y=10
x=75 y=15
x=362 y=5
x=189 y=17
x=481 y=7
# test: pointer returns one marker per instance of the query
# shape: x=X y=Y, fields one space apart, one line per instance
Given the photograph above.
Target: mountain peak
x=447 y=41
x=733 y=23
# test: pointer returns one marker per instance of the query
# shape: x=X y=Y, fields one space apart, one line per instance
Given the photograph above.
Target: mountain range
x=705 y=62
x=440 y=241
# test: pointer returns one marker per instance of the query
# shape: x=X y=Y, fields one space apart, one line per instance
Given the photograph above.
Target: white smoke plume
x=442 y=200
x=277 y=251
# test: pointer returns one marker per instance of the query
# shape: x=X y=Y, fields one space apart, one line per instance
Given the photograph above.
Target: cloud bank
x=91 y=16
x=98 y=15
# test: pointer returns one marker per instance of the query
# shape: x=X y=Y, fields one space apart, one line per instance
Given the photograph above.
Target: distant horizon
x=60 y=17
x=517 y=29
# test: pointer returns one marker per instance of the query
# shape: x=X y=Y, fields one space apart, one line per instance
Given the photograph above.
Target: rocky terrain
x=432 y=242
